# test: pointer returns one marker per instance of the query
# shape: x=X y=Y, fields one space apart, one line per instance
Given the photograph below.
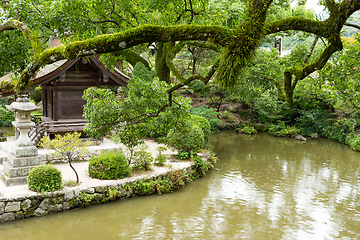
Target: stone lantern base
x=18 y=165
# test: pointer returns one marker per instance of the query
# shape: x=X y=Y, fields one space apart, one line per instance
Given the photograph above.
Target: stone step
x=12 y=181
x=12 y=172
x=28 y=151
x=24 y=162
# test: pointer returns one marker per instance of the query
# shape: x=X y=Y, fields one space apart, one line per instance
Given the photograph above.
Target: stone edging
x=39 y=204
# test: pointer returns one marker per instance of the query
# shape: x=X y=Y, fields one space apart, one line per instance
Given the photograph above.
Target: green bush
x=109 y=165
x=353 y=141
x=160 y=158
x=6 y=116
x=248 y=130
x=311 y=121
x=188 y=138
x=210 y=114
x=281 y=130
x=340 y=129
x=271 y=110
x=36 y=95
x=44 y=178
x=142 y=160
x=203 y=123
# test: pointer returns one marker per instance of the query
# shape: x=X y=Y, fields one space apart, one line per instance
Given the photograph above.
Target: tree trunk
x=77 y=176
x=161 y=69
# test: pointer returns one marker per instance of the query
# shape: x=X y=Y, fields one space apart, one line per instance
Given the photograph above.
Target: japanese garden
x=190 y=119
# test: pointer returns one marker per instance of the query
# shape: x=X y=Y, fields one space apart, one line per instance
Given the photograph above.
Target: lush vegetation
x=69 y=147
x=109 y=165
x=6 y=116
x=210 y=47
x=44 y=178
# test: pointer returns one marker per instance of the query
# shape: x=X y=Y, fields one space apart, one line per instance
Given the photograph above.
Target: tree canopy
x=234 y=29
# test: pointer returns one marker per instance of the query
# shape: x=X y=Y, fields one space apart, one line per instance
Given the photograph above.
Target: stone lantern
x=23 y=155
x=22 y=108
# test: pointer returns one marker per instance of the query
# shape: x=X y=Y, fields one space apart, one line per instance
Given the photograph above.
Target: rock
x=232 y=108
x=45 y=204
x=2 y=138
x=69 y=195
x=66 y=206
x=91 y=190
x=7 y=217
x=12 y=207
x=55 y=208
x=26 y=204
x=3 y=158
x=29 y=212
x=300 y=138
x=314 y=135
x=39 y=212
x=19 y=215
x=2 y=207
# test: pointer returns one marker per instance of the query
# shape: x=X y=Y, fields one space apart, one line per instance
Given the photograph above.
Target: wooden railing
x=38 y=131
x=36 y=118
x=45 y=128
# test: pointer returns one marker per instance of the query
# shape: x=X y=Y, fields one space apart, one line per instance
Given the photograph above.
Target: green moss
x=29 y=212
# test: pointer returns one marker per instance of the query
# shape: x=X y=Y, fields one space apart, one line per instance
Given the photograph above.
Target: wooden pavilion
x=63 y=84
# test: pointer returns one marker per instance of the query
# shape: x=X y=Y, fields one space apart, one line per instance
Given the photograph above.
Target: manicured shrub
x=109 y=165
x=44 y=178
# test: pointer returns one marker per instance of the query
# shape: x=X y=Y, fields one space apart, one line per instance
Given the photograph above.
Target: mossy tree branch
x=239 y=44
x=30 y=35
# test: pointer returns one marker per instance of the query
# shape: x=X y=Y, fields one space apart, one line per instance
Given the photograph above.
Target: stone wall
x=39 y=204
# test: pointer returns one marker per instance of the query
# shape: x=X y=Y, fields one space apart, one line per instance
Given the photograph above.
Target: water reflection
x=262 y=188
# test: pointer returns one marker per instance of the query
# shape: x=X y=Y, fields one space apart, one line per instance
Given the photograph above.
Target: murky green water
x=8 y=131
x=262 y=188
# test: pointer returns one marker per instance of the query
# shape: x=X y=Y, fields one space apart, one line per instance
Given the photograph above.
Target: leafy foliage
x=142 y=161
x=353 y=140
x=44 y=178
x=281 y=130
x=340 y=129
x=187 y=137
x=311 y=121
x=248 y=130
x=6 y=116
x=210 y=114
x=270 y=109
x=109 y=165
x=69 y=147
x=160 y=158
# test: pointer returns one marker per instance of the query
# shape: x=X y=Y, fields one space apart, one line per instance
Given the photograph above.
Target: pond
x=8 y=131
x=262 y=188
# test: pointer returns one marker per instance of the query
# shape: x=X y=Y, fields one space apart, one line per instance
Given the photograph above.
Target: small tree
x=69 y=146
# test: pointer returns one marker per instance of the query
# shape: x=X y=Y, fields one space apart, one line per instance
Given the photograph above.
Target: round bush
x=190 y=138
x=109 y=165
x=44 y=178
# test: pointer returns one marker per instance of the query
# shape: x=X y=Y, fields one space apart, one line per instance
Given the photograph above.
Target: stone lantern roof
x=22 y=104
